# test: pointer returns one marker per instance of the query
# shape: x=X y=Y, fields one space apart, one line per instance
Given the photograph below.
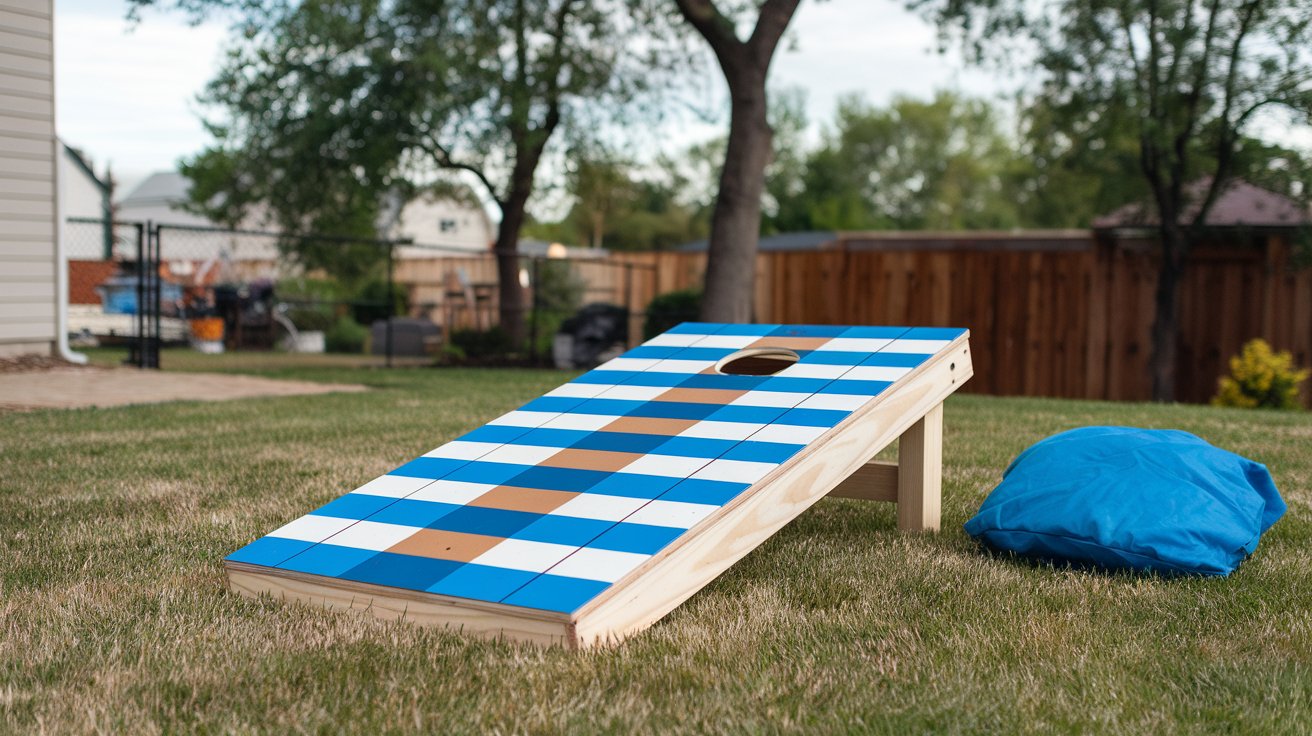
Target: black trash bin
x=593 y=331
x=411 y=337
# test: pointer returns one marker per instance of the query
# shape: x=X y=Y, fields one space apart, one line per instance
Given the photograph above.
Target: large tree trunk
x=1164 y=363
x=736 y=221
x=510 y=293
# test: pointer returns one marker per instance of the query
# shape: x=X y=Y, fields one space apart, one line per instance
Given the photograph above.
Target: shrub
x=370 y=302
x=1261 y=378
x=559 y=287
x=480 y=344
x=558 y=291
x=346 y=336
x=308 y=317
x=312 y=303
x=669 y=309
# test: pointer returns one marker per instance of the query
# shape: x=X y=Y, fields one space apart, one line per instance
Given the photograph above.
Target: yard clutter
x=1125 y=498
x=595 y=334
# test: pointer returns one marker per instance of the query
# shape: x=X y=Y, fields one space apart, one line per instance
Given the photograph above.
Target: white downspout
x=61 y=269
x=61 y=263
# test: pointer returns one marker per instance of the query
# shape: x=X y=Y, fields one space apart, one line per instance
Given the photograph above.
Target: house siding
x=27 y=177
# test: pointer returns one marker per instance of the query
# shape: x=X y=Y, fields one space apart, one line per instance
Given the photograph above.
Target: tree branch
x=771 y=23
x=442 y=156
x=1225 y=139
x=1196 y=92
x=715 y=27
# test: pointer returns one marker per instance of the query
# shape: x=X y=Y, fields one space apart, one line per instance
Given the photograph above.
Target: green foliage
x=669 y=309
x=324 y=107
x=313 y=317
x=346 y=336
x=313 y=302
x=369 y=302
x=949 y=163
x=1073 y=164
x=476 y=345
x=942 y=164
x=558 y=293
x=1166 y=89
x=616 y=208
x=559 y=288
x=1261 y=378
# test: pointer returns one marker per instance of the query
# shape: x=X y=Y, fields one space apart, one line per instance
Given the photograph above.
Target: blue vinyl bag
x=1119 y=497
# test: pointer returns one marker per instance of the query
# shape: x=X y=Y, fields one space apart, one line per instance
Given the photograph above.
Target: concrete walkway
x=66 y=388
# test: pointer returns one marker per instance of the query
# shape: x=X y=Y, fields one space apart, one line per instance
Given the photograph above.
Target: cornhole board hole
x=591 y=512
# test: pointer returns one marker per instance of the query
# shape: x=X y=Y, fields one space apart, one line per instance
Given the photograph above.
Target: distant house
x=29 y=265
x=160 y=197
x=1239 y=206
x=84 y=195
x=448 y=222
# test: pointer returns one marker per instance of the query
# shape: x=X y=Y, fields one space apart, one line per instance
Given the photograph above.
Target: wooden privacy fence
x=1051 y=313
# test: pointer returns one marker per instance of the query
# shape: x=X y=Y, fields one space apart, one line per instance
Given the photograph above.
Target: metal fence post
x=137 y=356
x=628 y=303
x=535 y=305
x=391 y=299
x=156 y=293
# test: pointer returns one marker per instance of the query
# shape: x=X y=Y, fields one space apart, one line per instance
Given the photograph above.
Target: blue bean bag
x=1118 y=497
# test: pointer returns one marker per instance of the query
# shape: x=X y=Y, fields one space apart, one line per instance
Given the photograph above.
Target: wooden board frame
x=837 y=464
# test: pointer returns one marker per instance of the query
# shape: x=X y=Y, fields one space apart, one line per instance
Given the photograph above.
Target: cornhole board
x=589 y=513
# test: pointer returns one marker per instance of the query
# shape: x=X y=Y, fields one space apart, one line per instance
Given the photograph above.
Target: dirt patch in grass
x=78 y=387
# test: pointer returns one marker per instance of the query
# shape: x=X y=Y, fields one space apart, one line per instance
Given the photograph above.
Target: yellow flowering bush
x=1261 y=378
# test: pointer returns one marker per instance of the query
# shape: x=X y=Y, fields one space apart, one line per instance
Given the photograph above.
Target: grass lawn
x=114 y=616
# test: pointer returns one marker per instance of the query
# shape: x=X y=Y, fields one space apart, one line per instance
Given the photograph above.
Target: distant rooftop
x=812 y=240
x=542 y=249
x=1240 y=204
x=160 y=188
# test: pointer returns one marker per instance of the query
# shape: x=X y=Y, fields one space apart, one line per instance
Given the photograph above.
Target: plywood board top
x=548 y=506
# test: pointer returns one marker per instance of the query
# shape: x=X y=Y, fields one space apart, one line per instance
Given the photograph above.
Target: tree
x=942 y=164
x=1188 y=76
x=600 y=185
x=617 y=207
x=220 y=191
x=327 y=104
x=1073 y=165
x=736 y=221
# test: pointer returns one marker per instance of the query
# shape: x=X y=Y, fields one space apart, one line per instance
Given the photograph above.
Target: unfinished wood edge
x=920 y=473
x=486 y=621
x=874 y=481
x=653 y=589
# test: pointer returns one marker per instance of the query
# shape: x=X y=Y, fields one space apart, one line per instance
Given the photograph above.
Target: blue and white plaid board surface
x=551 y=504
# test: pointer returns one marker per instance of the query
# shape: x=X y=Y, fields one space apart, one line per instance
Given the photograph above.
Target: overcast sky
x=126 y=95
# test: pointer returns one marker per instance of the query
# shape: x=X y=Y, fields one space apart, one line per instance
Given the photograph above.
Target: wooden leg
x=920 y=473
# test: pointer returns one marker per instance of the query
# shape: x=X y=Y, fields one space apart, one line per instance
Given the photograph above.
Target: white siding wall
x=83 y=198
x=447 y=222
x=27 y=182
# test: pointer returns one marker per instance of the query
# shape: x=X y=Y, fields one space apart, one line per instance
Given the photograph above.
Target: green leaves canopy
x=323 y=106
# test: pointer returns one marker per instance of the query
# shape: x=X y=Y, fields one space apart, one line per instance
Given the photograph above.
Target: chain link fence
x=144 y=285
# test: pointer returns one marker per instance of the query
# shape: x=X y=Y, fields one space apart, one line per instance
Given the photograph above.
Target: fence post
x=533 y=314
x=628 y=303
x=137 y=357
x=391 y=299
x=156 y=295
